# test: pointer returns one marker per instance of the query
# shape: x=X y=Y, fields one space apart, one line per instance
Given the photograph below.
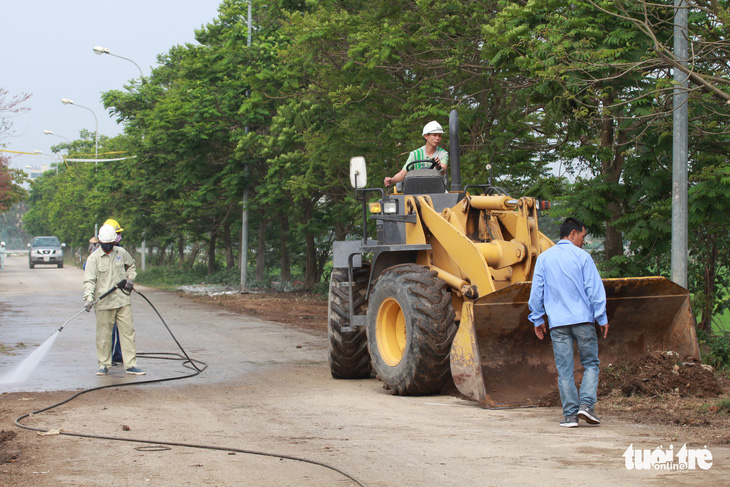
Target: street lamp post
x=66 y=101
x=50 y=132
x=103 y=50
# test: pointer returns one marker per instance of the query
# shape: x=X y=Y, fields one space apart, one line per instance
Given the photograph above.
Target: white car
x=45 y=250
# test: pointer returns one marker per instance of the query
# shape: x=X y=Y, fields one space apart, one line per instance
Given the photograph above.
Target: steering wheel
x=413 y=163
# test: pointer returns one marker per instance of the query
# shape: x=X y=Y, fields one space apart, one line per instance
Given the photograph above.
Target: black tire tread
x=433 y=324
x=348 y=351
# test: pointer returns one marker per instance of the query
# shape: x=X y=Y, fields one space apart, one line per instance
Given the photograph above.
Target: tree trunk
x=709 y=286
x=340 y=230
x=283 y=245
x=611 y=166
x=181 y=249
x=261 y=251
x=194 y=254
x=161 y=255
x=311 y=273
x=211 y=254
x=310 y=266
x=228 y=245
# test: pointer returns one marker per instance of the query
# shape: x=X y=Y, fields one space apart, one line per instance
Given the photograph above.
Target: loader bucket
x=497 y=360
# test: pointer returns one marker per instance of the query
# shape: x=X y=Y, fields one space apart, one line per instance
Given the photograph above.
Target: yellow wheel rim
x=390 y=332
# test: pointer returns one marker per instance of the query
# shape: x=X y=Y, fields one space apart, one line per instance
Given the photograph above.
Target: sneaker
x=102 y=370
x=135 y=371
x=569 y=422
x=588 y=415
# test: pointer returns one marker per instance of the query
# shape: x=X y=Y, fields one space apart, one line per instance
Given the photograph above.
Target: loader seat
x=423 y=181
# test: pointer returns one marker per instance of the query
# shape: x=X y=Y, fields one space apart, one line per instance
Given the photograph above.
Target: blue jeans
x=116 y=346
x=563 y=338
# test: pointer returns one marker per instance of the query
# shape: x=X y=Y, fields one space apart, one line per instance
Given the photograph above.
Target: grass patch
x=721 y=323
x=171 y=278
x=720 y=406
x=723 y=405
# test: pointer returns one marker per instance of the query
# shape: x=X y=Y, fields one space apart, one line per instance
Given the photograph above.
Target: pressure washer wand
x=119 y=285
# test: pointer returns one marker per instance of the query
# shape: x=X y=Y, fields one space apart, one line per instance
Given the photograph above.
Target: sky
x=46 y=50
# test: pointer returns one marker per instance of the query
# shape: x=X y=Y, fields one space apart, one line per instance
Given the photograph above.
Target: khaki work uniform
x=102 y=273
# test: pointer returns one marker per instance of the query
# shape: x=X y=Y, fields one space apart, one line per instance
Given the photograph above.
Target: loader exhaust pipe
x=454 y=161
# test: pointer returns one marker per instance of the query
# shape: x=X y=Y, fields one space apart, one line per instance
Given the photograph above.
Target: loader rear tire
x=410 y=330
x=348 y=351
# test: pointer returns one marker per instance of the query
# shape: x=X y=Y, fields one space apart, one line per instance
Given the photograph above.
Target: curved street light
x=103 y=50
x=67 y=101
x=50 y=132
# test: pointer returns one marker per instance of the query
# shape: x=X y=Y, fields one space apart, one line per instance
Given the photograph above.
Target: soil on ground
x=659 y=388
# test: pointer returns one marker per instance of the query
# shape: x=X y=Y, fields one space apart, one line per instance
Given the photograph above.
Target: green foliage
x=582 y=86
x=715 y=348
x=11 y=191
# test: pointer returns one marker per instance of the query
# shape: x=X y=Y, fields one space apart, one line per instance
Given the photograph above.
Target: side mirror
x=358 y=172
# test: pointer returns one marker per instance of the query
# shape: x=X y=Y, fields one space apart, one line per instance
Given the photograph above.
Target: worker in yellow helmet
x=117 y=228
x=116 y=345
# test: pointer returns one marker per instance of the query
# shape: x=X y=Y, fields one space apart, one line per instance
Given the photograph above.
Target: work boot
x=102 y=370
x=588 y=415
x=569 y=421
x=135 y=371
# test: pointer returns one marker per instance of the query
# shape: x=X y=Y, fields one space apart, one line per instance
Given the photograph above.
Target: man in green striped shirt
x=433 y=133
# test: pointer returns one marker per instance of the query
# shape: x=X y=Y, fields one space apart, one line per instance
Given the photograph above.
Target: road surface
x=268 y=388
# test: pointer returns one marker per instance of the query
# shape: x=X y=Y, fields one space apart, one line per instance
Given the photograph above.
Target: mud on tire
x=410 y=351
x=348 y=351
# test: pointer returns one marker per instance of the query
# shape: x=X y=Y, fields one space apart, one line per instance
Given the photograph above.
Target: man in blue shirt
x=567 y=288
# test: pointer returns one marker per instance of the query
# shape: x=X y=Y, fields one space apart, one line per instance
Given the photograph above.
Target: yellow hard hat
x=115 y=224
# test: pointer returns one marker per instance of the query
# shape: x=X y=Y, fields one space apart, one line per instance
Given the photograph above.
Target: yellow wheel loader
x=445 y=295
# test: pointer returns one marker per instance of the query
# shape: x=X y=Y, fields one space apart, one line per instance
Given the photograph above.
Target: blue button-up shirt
x=567 y=287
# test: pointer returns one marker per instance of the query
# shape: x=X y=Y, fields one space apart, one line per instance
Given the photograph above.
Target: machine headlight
x=389 y=207
x=375 y=208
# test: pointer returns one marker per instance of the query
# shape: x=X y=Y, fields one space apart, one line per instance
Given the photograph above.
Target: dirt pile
x=653 y=375
x=658 y=373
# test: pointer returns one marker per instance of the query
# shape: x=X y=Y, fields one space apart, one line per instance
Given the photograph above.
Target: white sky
x=46 y=50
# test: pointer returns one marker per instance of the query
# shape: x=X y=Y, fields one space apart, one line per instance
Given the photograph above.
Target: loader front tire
x=348 y=351
x=410 y=330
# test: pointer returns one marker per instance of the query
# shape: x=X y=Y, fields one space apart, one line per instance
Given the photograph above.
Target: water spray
x=28 y=365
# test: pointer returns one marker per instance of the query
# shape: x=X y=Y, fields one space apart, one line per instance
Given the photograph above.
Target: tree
x=603 y=72
x=11 y=191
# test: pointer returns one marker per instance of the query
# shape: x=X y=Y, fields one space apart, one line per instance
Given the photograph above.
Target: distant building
x=35 y=171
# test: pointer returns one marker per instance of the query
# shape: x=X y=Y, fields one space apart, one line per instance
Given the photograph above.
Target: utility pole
x=680 y=149
x=244 y=216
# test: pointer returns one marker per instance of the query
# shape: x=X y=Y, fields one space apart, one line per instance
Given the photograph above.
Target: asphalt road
x=267 y=388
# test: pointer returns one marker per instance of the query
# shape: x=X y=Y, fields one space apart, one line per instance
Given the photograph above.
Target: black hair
x=570 y=224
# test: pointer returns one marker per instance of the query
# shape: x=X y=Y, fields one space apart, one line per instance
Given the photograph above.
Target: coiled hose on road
x=198 y=367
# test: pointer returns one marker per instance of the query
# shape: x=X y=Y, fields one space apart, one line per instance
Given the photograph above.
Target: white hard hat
x=432 y=128
x=107 y=234
x=2 y=243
